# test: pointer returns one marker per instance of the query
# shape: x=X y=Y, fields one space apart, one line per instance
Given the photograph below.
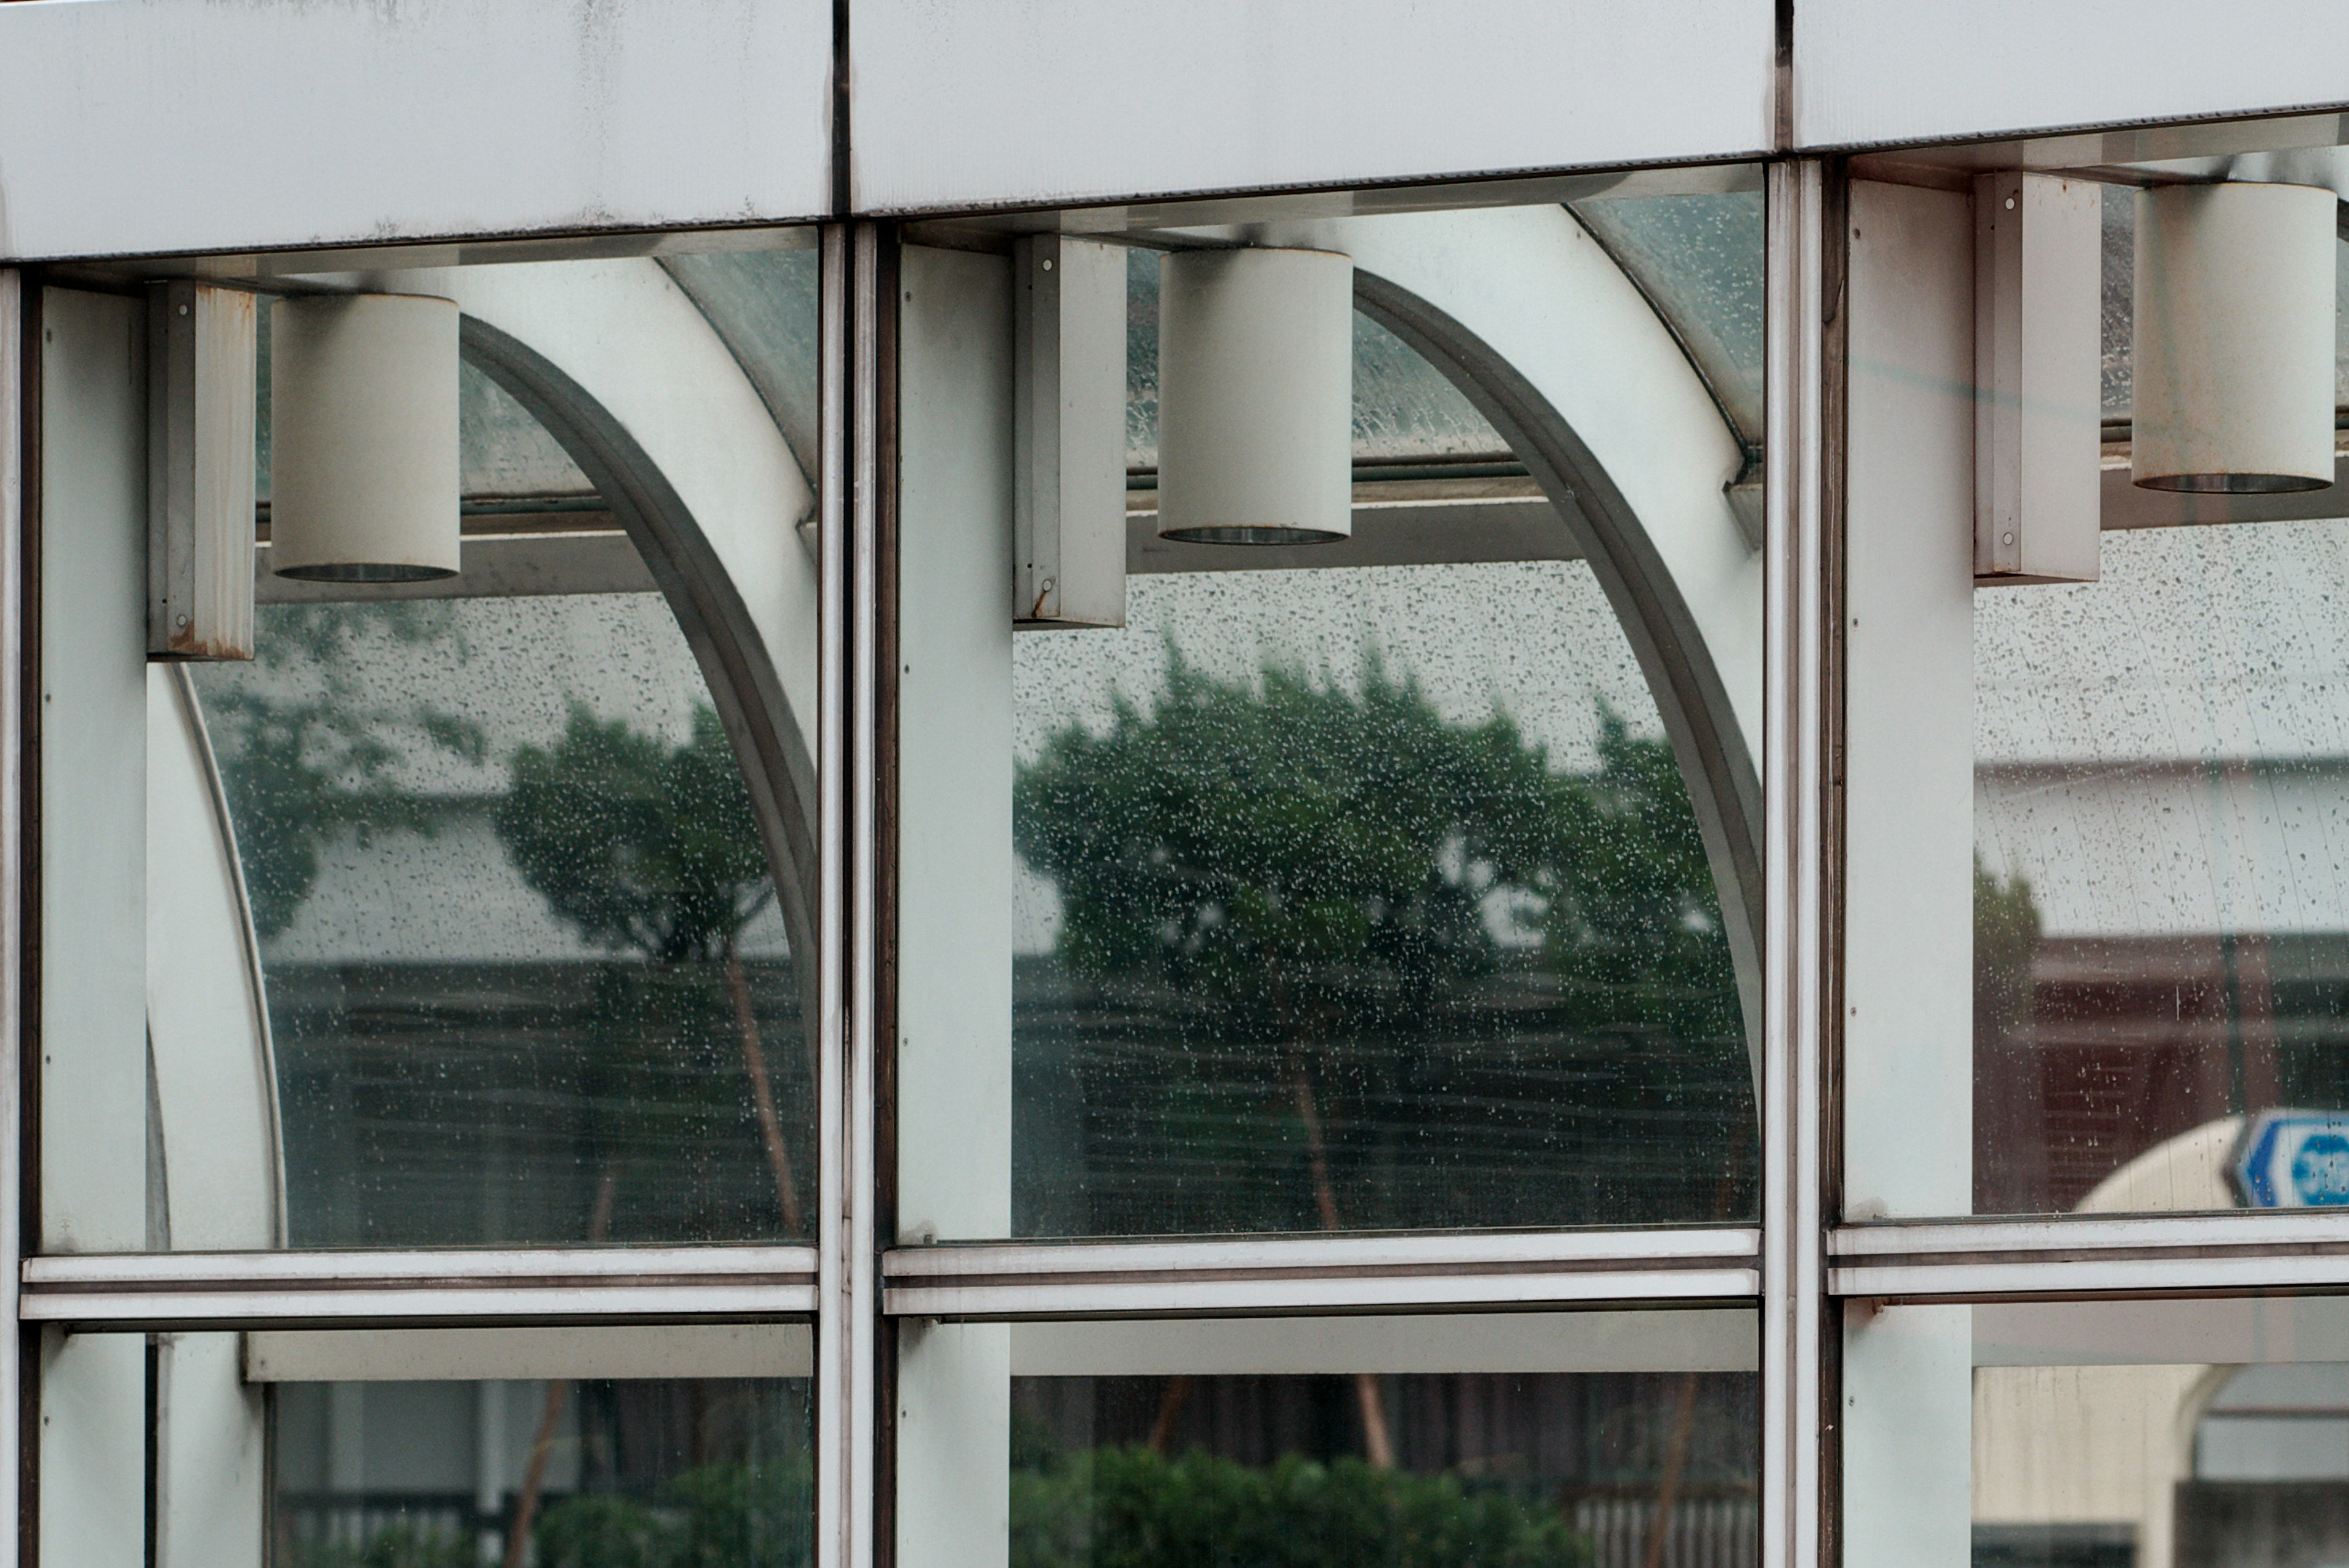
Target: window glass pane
x=2163 y=918
x=430 y=1449
x=1611 y=1438
x=2098 y=1435
x=1515 y=1005
x=527 y=981
x=2095 y=722
x=464 y=909
x=1399 y=880
x=572 y=1472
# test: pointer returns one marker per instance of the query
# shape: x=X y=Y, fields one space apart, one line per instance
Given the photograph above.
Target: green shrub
x=1131 y=1508
x=718 y=1516
x=400 y=1546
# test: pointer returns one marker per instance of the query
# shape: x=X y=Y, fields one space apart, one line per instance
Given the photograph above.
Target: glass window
x=1576 y=1439
x=420 y=1449
x=2108 y=777
x=1398 y=881
x=527 y=978
x=2098 y=1435
x=466 y=909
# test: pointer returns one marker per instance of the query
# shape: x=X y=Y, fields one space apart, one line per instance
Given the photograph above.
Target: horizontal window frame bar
x=2263 y=1230
x=2089 y=1279
x=452 y=1286
x=2085 y=1258
x=1499 y=1270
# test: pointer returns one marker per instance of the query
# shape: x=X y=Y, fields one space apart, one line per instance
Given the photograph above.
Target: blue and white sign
x=2295 y=1159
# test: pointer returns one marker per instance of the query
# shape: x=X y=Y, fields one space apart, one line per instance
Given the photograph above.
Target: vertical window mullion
x=1793 y=788
x=16 y=430
x=840 y=1428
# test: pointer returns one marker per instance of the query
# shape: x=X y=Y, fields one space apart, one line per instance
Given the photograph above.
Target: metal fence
x=1704 y=1533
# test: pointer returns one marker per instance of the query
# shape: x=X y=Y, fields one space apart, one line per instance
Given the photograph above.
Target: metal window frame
x=1790 y=1264
x=1796 y=440
x=1490 y=1271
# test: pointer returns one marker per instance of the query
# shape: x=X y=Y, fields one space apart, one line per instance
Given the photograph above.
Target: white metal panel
x=468 y=1355
x=1909 y=726
x=176 y=125
x=975 y=102
x=213 y=1078
x=954 y=923
x=1867 y=72
x=92 y=1450
x=210 y=1447
x=2038 y=245
x=1717 y=1339
x=954 y=766
x=954 y=1450
x=93 y=733
x=1068 y=428
x=1908 y=1438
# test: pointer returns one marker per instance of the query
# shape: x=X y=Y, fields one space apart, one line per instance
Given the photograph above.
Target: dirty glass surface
x=1696 y=256
x=526 y=976
x=1364 y=897
x=2162 y=919
x=764 y=304
x=1535 y=1469
x=584 y=1473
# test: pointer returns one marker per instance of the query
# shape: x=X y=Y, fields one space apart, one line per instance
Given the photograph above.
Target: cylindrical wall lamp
x=2233 y=338
x=1256 y=397
x=363 y=438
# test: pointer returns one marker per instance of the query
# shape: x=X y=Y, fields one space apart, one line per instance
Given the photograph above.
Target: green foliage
x=2006 y=935
x=302 y=757
x=718 y=1516
x=1132 y=1508
x=1308 y=861
x=638 y=844
x=401 y=1546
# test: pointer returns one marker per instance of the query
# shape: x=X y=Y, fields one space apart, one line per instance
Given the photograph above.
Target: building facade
x=857 y=784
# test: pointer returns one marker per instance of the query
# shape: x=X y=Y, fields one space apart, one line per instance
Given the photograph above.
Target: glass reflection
x=526 y=979
x=1364 y=897
x=1532 y=1470
x=700 y=1473
x=2162 y=899
x=2151 y=1434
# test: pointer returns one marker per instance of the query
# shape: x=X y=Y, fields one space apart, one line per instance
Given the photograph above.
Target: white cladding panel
x=976 y=102
x=1867 y=72
x=183 y=125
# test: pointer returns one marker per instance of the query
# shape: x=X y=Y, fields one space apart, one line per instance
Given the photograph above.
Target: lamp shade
x=1256 y=397
x=363 y=438
x=2233 y=338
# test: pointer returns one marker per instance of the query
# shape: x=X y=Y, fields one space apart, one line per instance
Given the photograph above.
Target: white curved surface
x=213 y=1072
x=629 y=335
x=2182 y=1175
x=1538 y=289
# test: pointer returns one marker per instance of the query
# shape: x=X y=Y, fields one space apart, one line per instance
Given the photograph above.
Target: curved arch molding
x=630 y=378
x=1525 y=312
